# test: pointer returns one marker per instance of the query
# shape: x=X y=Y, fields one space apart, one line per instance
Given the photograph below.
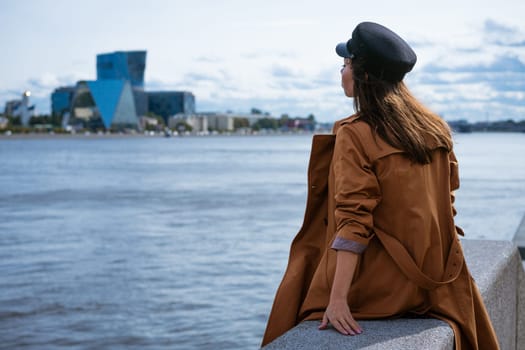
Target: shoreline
x=44 y=136
x=36 y=136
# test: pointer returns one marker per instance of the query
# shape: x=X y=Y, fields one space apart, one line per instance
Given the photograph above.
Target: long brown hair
x=397 y=116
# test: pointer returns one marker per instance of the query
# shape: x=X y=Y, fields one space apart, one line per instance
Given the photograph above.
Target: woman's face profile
x=347 y=80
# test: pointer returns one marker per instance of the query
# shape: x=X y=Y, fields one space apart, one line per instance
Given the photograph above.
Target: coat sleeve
x=356 y=191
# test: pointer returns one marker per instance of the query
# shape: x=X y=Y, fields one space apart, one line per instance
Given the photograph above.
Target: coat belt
x=406 y=263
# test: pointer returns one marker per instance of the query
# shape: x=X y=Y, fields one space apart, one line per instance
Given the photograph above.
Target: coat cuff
x=355 y=233
x=348 y=245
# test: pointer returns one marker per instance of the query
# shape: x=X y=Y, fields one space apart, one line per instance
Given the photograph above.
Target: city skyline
x=277 y=57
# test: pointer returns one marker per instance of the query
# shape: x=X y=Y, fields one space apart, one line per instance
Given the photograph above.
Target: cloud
x=288 y=80
x=502 y=77
x=507 y=64
x=492 y=27
x=490 y=84
x=280 y=71
x=328 y=77
x=199 y=77
x=269 y=55
x=205 y=78
x=500 y=63
x=501 y=34
x=290 y=23
x=209 y=59
x=420 y=43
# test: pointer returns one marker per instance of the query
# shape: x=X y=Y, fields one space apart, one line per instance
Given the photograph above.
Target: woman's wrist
x=336 y=298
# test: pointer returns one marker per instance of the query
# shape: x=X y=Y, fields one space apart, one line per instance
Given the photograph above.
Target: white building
x=203 y=122
x=197 y=122
x=3 y=122
x=220 y=122
x=212 y=121
x=21 y=108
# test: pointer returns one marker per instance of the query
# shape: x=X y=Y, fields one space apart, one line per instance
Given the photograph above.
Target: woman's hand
x=338 y=314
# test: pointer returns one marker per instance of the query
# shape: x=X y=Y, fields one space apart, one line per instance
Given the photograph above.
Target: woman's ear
x=366 y=76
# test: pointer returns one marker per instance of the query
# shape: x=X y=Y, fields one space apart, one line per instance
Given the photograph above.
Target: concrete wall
x=519 y=237
x=498 y=271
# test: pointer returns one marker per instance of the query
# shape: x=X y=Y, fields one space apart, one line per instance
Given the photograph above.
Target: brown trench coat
x=364 y=190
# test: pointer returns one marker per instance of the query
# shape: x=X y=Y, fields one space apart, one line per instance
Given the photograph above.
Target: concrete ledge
x=387 y=334
x=495 y=265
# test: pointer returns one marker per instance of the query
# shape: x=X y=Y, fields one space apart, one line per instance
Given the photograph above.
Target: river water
x=180 y=243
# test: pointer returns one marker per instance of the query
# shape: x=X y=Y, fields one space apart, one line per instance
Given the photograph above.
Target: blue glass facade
x=125 y=65
x=61 y=100
x=169 y=103
x=104 y=104
x=141 y=101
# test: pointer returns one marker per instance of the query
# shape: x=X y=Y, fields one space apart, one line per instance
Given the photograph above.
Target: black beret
x=386 y=55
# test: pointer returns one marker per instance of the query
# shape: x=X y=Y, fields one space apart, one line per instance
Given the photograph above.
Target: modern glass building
x=122 y=65
x=169 y=103
x=117 y=98
x=141 y=101
x=126 y=65
x=61 y=100
x=103 y=104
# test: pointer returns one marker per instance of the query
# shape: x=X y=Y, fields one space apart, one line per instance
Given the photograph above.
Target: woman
x=379 y=238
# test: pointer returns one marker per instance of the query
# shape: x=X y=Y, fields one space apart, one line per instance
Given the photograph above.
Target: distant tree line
x=495 y=126
x=37 y=123
x=284 y=122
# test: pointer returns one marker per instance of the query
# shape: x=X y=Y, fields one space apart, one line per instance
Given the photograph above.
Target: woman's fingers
x=324 y=322
x=344 y=325
x=355 y=326
x=340 y=317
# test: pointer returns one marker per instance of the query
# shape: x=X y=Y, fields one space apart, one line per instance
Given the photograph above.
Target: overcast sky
x=274 y=55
